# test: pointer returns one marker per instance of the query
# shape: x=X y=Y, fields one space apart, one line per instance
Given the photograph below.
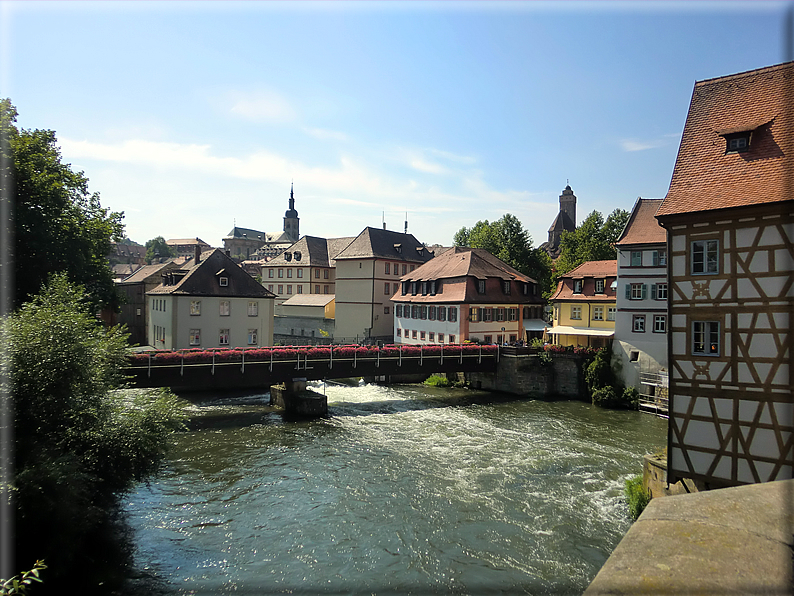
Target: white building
x=212 y=303
x=640 y=344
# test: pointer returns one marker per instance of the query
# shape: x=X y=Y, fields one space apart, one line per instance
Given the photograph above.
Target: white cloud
x=262 y=107
x=635 y=145
x=325 y=134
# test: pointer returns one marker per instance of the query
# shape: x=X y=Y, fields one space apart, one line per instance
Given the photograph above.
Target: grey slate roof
x=203 y=279
x=314 y=252
x=386 y=244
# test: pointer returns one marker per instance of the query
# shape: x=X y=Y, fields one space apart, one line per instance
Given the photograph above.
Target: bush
x=631 y=398
x=438 y=381
x=79 y=444
x=636 y=496
x=605 y=397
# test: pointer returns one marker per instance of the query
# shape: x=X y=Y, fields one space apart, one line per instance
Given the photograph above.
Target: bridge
x=266 y=368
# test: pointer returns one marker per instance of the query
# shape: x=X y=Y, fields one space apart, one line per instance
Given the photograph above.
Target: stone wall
x=525 y=374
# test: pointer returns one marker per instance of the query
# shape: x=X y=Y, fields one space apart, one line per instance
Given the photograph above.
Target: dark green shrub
x=631 y=398
x=605 y=397
x=636 y=496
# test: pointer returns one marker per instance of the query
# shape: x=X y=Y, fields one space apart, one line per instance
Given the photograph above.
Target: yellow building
x=585 y=305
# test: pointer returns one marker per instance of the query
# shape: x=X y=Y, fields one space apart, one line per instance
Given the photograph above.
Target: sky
x=193 y=117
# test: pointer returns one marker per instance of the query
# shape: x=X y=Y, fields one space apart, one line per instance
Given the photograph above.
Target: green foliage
x=79 y=443
x=438 y=381
x=509 y=241
x=631 y=397
x=605 y=397
x=593 y=240
x=19 y=584
x=157 y=248
x=598 y=373
x=637 y=497
x=536 y=342
x=545 y=358
x=58 y=225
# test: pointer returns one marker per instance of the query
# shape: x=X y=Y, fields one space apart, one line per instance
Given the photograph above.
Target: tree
x=593 y=240
x=509 y=241
x=158 y=248
x=56 y=224
x=79 y=444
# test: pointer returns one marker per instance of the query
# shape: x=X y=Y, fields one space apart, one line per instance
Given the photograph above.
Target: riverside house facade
x=640 y=344
x=212 y=303
x=585 y=305
x=466 y=294
x=729 y=216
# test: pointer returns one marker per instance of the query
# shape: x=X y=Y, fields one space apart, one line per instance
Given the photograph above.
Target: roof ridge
x=745 y=74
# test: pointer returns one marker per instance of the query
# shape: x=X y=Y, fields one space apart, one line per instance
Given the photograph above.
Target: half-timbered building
x=729 y=217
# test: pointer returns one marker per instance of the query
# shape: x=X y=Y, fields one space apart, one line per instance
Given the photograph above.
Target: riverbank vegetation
x=636 y=496
x=79 y=444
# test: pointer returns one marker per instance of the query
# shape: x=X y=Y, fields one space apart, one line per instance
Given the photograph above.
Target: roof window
x=738 y=142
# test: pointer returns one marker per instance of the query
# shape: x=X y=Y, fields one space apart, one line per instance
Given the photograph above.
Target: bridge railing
x=162 y=367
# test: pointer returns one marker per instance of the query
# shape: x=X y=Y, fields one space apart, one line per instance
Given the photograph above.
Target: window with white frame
x=195 y=308
x=598 y=313
x=223 y=337
x=576 y=313
x=195 y=337
x=659 y=291
x=705 y=257
x=474 y=314
x=398 y=310
x=636 y=291
x=253 y=309
x=706 y=338
x=659 y=323
x=638 y=323
x=223 y=281
x=577 y=286
x=506 y=286
x=442 y=313
x=599 y=286
x=224 y=308
x=512 y=314
x=431 y=313
x=481 y=286
x=252 y=336
x=636 y=258
x=453 y=315
x=500 y=314
x=660 y=258
x=611 y=312
x=487 y=315
x=441 y=338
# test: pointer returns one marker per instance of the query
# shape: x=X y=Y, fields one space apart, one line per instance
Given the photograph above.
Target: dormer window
x=297 y=255
x=736 y=143
x=481 y=286
x=433 y=287
x=424 y=288
x=288 y=256
x=577 y=286
x=506 y=287
x=223 y=281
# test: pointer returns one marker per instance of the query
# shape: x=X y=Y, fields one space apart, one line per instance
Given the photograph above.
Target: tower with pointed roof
x=291 y=219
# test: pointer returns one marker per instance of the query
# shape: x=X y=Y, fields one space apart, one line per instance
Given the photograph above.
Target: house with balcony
x=640 y=344
x=584 y=305
x=210 y=303
x=466 y=294
x=729 y=217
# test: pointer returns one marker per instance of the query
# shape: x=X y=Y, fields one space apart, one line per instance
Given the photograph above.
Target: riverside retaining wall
x=528 y=375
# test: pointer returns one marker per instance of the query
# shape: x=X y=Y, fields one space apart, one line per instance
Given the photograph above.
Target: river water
x=403 y=490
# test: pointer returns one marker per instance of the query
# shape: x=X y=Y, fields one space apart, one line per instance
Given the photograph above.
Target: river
x=403 y=490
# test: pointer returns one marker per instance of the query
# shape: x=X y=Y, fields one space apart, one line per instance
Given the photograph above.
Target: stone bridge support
x=296 y=399
x=531 y=376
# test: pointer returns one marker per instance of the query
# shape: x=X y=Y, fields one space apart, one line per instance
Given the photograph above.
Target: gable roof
x=385 y=244
x=202 y=279
x=309 y=300
x=705 y=177
x=643 y=227
x=146 y=271
x=314 y=252
x=462 y=261
x=594 y=269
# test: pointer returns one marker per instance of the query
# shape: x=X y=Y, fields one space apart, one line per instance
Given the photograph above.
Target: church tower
x=291 y=219
x=568 y=204
x=565 y=221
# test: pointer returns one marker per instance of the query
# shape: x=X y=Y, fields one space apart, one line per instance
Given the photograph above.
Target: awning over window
x=535 y=324
x=565 y=330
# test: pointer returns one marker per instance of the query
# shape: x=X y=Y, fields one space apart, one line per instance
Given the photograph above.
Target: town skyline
x=192 y=118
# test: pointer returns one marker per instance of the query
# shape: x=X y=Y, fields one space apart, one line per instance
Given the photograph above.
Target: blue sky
x=191 y=116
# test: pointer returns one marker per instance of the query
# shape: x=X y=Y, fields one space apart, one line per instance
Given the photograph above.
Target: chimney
x=197 y=259
x=228 y=252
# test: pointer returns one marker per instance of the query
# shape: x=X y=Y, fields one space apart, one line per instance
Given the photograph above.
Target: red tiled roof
x=594 y=269
x=643 y=227
x=461 y=261
x=705 y=177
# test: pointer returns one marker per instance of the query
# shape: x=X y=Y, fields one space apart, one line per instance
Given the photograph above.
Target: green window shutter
x=655 y=258
x=653 y=291
x=644 y=291
x=628 y=291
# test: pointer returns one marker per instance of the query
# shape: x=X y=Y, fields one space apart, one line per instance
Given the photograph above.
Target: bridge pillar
x=296 y=399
